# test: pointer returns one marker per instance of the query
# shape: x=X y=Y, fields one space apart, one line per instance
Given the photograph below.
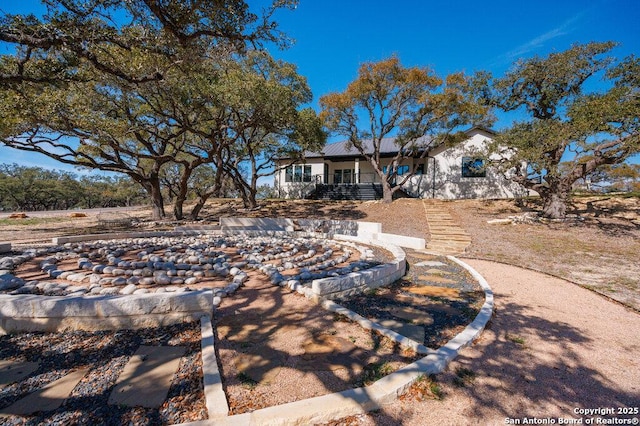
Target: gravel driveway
x=552 y=348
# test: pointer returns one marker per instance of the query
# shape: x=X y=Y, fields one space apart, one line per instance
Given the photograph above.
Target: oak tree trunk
x=554 y=204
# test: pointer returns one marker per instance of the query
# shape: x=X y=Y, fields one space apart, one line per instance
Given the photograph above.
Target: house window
x=419 y=169
x=473 y=167
x=342 y=176
x=401 y=170
x=298 y=173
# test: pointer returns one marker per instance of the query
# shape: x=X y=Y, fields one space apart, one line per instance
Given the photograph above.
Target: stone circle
x=178 y=264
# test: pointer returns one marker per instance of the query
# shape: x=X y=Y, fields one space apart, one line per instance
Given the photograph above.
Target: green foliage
x=616 y=178
x=35 y=188
x=597 y=129
x=76 y=34
x=373 y=372
x=464 y=377
x=148 y=89
x=410 y=103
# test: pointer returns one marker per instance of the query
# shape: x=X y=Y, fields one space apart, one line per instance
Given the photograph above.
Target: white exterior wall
x=361 y=167
x=298 y=189
x=448 y=184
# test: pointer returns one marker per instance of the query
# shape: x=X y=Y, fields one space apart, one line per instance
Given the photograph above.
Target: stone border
x=122 y=236
x=383 y=392
x=215 y=398
x=57 y=313
x=358 y=282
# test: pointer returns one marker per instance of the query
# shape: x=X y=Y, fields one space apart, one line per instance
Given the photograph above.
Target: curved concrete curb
x=358 y=282
x=215 y=398
x=330 y=407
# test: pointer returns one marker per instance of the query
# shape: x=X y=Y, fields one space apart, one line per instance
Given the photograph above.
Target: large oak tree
x=122 y=79
x=568 y=134
x=414 y=105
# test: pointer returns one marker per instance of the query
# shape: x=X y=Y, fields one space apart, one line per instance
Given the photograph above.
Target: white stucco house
x=444 y=173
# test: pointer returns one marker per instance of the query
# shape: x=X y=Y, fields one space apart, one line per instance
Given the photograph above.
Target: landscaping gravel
x=105 y=354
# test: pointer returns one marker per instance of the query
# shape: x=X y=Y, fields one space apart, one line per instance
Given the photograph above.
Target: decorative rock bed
x=100 y=284
x=155 y=280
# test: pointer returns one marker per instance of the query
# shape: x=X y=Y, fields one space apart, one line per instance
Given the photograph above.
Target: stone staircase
x=447 y=237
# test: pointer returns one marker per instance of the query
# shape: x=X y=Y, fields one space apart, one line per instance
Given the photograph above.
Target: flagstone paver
x=436 y=279
x=433 y=291
x=14 y=371
x=147 y=376
x=416 y=316
x=413 y=332
x=429 y=263
x=437 y=272
x=47 y=398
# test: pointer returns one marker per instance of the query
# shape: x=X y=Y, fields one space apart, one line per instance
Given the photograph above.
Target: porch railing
x=347 y=179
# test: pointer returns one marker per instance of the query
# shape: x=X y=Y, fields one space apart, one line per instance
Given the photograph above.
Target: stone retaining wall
x=47 y=313
x=321 y=226
x=344 y=286
x=370 y=231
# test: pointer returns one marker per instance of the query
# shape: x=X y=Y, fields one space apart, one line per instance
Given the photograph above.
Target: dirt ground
x=551 y=348
x=600 y=249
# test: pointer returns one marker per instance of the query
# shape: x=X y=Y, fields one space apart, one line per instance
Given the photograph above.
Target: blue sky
x=333 y=37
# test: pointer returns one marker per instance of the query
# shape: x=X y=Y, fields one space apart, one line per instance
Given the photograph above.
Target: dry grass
x=600 y=252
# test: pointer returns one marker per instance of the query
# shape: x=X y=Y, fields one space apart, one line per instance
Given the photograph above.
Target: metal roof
x=342 y=148
x=387 y=146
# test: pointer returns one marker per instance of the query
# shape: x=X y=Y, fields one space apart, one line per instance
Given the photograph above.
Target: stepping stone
x=436 y=279
x=425 y=304
x=48 y=398
x=433 y=291
x=262 y=365
x=431 y=263
x=424 y=256
x=413 y=332
x=146 y=378
x=437 y=272
x=330 y=353
x=445 y=309
x=14 y=371
x=414 y=315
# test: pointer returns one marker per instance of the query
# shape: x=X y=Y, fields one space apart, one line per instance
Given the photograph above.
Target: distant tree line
x=181 y=97
x=34 y=189
x=184 y=99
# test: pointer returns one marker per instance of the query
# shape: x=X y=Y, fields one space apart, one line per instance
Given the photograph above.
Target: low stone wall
x=320 y=226
x=398 y=240
x=344 y=286
x=46 y=313
x=371 y=231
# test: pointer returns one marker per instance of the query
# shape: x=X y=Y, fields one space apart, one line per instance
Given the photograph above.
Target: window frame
x=298 y=173
x=473 y=167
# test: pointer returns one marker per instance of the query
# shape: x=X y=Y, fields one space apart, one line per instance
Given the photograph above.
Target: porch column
x=356 y=171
